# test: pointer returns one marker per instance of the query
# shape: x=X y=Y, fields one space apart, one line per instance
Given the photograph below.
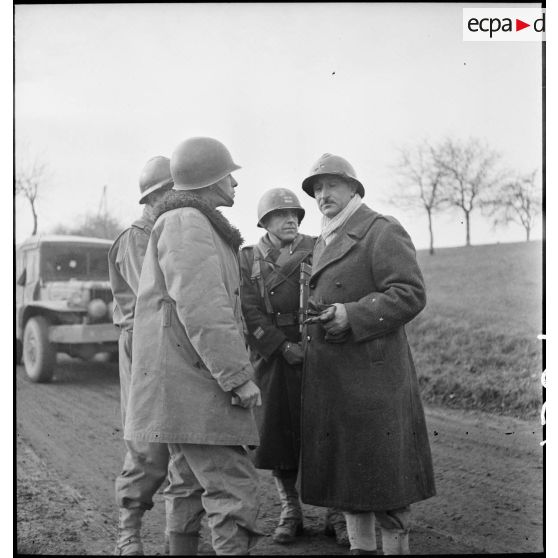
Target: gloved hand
x=247 y=395
x=292 y=352
x=314 y=310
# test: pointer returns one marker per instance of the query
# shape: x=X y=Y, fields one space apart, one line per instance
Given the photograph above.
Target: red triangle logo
x=519 y=25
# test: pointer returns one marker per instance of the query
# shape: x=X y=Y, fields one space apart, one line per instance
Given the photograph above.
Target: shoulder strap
x=257 y=277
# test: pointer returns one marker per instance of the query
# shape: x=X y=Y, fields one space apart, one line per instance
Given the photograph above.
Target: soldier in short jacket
x=145 y=465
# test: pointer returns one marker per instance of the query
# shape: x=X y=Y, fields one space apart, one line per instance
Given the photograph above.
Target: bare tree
x=421 y=184
x=30 y=174
x=470 y=175
x=517 y=201
x=99 y=226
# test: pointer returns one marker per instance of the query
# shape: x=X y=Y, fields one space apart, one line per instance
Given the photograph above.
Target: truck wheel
x=39 y=355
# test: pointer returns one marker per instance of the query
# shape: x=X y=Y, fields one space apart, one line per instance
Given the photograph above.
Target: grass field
x=475 y=345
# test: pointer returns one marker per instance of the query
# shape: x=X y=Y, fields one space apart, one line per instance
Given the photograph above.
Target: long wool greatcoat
x=189 y=350
x=364 y=440
x=279 y=417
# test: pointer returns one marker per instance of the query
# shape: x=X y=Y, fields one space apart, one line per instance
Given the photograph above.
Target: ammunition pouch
x=285 y=319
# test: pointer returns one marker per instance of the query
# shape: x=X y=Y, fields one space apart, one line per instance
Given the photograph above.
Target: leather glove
x=292 y=352
x=314 y=310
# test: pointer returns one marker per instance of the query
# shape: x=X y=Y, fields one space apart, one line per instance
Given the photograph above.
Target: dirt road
x=488 y=472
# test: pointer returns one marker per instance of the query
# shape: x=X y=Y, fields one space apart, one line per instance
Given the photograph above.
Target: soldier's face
x=283 y=223
x=332 y=194
x=224 y=190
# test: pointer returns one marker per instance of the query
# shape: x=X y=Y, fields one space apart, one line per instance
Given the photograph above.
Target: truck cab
x=63 y=302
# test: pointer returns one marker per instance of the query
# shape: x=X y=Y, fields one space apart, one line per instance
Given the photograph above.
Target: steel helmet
x=155 y=175
x=335 y=165
x=278 y=198
x=200 y=162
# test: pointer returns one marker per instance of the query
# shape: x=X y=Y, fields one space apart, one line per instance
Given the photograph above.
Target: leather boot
x=290 y=521
x=395 y=541
x=335 y=526
x=182 y=544
x=129 y=526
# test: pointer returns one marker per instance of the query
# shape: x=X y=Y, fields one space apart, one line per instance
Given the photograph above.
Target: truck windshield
x=63 y=262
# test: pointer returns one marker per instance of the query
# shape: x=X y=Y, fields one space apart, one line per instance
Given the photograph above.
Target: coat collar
x=271 y=252
x=175 y=199
x=274 y=276
x=146 y=221
x=347 y=236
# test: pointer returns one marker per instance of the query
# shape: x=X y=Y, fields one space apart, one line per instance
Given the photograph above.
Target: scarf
x=330 y=226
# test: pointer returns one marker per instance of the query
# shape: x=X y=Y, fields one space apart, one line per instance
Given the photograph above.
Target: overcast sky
x=102 y=88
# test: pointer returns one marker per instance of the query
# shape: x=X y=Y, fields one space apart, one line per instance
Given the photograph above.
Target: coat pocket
x=376 y=349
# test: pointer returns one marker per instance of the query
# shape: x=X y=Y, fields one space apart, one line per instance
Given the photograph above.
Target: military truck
x=63 y=302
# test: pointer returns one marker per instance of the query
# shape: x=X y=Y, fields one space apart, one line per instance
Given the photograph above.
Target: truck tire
x=39 y=355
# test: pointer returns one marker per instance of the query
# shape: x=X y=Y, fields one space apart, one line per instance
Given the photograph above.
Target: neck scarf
x=330 y=226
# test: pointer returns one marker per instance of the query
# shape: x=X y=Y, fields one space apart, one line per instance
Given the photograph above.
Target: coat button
x=272 y=293
x=338 y=284
x=308 y=338
x=312 y=286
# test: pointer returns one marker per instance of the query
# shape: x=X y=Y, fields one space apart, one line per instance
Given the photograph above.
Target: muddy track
x=488 y=473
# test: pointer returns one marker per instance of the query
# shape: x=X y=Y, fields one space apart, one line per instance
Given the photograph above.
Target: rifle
x=304 y=280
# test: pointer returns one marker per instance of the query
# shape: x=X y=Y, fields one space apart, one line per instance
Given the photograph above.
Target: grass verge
x=475 y=368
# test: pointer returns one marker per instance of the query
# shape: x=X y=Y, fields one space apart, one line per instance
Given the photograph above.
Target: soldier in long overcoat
x=192 y=381
x=270 y=297
x=365 y=447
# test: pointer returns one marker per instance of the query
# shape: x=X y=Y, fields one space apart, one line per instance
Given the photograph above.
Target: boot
x=355 y=551
x=290 y=521
x=395 y=541
x=335 y=526
x=182 y=544
x=129 y=539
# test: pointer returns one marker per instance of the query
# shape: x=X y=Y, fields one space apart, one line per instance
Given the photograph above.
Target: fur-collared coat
x=364 y=440
x=189 y=350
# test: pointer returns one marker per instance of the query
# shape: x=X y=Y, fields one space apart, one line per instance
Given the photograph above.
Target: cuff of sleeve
x=361 y=331
x=270 y=343
x=238 y=379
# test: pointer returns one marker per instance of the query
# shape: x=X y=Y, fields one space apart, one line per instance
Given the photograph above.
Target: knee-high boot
x=290 y=521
